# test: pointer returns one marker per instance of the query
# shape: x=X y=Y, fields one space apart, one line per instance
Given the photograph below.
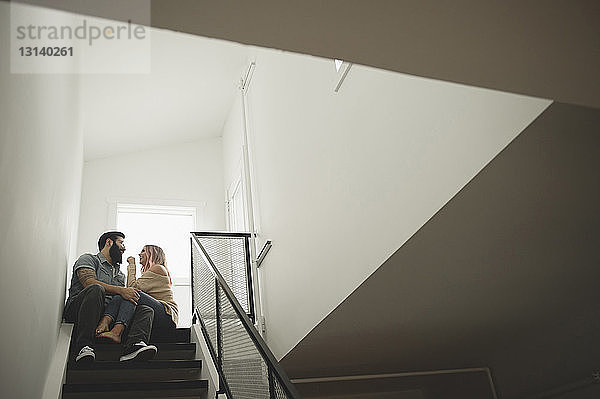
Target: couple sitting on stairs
x=102 y=307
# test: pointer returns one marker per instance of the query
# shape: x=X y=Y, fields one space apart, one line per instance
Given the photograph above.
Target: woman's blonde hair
x=155 y=256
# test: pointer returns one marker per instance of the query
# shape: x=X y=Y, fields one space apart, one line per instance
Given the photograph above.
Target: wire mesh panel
x=279 y=392
x=204 y=295
x=243 y=366
x=229 y=256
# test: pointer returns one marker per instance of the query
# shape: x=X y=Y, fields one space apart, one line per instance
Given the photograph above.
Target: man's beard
x=115 y=254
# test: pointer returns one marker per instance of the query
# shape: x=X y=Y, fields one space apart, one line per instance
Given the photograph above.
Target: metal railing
x=246 y=366
x=230 y=254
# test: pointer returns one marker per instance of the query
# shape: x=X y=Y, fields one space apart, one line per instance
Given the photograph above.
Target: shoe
x=86 y=354
x=139 y=351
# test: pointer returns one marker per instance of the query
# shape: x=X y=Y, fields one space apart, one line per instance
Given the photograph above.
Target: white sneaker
x=139 y=351
x=86 y=354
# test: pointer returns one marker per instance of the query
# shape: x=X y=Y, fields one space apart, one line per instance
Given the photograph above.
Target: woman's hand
x=131 y=260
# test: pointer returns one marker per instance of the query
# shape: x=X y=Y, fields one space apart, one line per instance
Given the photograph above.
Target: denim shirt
x=105 y=272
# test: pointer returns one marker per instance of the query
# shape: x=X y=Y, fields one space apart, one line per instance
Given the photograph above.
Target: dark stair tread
x=152 y=364
x=133 y=386
x=166 y=351
x=177 y=335
x=164 y=346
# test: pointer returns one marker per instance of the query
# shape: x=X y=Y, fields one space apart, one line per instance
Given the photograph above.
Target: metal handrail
x=220 y=234
x=263 y=253
x=260 y=344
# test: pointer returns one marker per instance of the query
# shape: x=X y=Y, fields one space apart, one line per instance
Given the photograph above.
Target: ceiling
x=186 y=97
x=538 y=48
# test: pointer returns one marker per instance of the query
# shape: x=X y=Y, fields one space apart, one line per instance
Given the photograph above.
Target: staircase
x=173 y=373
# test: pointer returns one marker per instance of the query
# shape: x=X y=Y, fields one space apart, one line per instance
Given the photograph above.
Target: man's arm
x=87 y=276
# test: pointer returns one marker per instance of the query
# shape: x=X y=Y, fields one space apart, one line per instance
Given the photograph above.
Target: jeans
x=121 y=311
x=85 y=309
x=141 y=326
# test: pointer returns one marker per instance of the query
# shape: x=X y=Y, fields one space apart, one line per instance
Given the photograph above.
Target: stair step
x=177 y=335
x=154 y=370
x=117 y=365
x=118 y=390
x=174 y=372
x=166 y=351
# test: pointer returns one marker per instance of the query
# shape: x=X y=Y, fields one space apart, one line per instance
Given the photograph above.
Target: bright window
x=338 y=64
x=341 y=72
x=168 y=227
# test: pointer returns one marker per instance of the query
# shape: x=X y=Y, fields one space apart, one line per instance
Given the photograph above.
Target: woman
x=155 y=291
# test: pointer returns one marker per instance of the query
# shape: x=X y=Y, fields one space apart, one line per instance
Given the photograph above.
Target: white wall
x=41 y=157
x=232 y=142
x=343 y=180
x=185 y=173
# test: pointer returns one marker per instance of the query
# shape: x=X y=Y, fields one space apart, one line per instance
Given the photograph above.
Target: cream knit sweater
x=155 y=285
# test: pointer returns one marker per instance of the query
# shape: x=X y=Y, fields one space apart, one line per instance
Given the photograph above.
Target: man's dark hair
x=109 y=234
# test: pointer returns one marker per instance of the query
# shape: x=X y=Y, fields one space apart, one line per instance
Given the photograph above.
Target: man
x=96 y=278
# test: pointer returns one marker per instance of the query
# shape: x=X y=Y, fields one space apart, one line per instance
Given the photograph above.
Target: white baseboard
x=58 y=366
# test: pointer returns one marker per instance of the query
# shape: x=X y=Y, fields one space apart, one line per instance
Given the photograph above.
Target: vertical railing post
x=249 y=279
x=218 y=316
x=271 y=385
x=192 y=280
